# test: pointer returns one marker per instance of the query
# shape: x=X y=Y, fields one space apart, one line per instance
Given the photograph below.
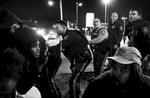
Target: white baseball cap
x=127 y=55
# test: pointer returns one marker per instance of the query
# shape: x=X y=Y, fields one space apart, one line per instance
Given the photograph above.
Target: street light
x=61 y=12
x=106 y=2
x=77 y=5
x=51 y=3
x=125 y=39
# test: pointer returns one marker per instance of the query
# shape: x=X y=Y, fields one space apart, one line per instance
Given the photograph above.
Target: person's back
x=109 y=86
x=141 y=29
x=12 y=63
x=79 y=42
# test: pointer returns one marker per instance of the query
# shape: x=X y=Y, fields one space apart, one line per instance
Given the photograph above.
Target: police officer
x=76 y=44
x=115 y=29
x=140 y=33
x=99 y=44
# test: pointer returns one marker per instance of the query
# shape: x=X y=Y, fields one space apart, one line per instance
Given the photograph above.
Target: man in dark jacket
x=139 y=36
x=124 y=78
x=76 y=45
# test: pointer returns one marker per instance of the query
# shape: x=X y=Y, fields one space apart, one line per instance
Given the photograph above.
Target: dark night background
x=46 y=16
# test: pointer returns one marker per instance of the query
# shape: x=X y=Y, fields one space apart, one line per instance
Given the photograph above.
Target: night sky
x=46 y=16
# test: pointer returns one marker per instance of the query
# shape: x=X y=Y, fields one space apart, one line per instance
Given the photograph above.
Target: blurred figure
x=139 y=36
x=32 y=93
x=124 y=77
x=11 y=71
x=128 y=30
x=33 y=47
x=75 y=45
x=30 y=45
x=115 y=29
x=8 y=24
x=53 y=64
x=99 y=44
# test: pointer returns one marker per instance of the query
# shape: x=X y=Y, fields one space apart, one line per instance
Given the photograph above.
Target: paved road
x=64 y=68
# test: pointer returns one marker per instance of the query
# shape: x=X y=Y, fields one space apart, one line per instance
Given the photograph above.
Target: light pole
x=124 y=23
x=61 y=12
x=51 y=3
x=77 y=11
x=106 y=2
x=124 y=27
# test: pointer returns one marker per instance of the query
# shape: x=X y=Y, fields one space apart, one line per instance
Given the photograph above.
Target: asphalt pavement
x=64 y=67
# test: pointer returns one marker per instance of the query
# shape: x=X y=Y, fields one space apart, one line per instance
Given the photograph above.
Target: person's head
x=97 y=23
x=135 y=14
x=114 y=16
x=8 y=24
x=30 y=42
x=11 y=69
x=35 y=47
x=13 y=27
x=126 y=62
x=61 y=27
x=9 y=21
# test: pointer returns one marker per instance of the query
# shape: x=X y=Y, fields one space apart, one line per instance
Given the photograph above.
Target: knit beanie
x=127 y=55
x=23 y=38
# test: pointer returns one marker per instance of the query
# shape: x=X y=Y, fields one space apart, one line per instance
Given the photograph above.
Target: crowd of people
x=127 y=74
x=27 y=56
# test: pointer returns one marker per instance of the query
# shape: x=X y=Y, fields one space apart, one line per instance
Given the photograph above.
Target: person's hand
x=115 y=46
x=46 y=50
x=47 y=44
x=40 y=67
x=124 y=39
x=89 y=42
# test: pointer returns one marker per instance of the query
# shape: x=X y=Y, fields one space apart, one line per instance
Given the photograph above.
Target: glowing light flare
x=106 y=1
x=50 y=3
x=124 y=18
x=80 y=4
x=42 y=32
x=52 y=34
